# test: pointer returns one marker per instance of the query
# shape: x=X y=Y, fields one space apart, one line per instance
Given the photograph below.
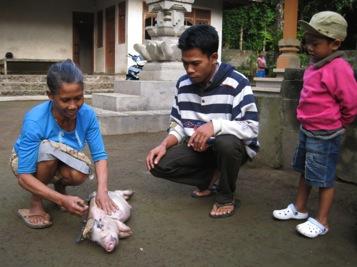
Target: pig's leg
x=124 y=230
x=125 y=193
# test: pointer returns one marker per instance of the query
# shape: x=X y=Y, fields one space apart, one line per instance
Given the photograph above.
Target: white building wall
x=40 y=29
x=134 y=24
x=133 y=33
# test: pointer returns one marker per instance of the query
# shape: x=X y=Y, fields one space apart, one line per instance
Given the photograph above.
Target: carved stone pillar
x=161 y=52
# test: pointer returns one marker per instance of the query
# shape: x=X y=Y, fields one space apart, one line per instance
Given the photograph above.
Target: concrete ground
x=171 y=228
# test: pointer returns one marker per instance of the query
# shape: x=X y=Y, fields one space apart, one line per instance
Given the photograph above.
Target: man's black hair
x=203 y=37
x=63 y=72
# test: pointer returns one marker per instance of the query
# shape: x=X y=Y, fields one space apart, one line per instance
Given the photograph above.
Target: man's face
x=199 y=67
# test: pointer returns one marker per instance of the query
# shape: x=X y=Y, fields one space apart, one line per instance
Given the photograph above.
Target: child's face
x=319 y=47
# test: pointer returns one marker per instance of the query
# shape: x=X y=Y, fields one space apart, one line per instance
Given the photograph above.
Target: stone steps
x=119 y=102
x=42 y=78
x=135 y=106
x=36 y=84
x=114 y=122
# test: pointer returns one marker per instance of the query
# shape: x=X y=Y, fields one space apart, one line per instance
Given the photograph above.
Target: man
x=214 y=123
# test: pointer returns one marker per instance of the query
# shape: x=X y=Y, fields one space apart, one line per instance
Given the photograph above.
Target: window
x=99 y=29
x=121 y=24
x=149 y=20
x=198 y=16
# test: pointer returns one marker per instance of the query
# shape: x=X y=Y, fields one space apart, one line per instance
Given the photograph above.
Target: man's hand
x=154 y=156
x=105 y=203
x=198 y=141
x=74 y=204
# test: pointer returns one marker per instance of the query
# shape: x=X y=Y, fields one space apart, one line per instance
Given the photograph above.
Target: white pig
x=106 y=229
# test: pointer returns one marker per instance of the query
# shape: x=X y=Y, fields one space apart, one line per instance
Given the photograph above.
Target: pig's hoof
x=43 y=220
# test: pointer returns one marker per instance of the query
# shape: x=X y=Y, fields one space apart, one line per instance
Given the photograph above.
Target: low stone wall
x=279 y=129
x=15 y=85
x=236 y=57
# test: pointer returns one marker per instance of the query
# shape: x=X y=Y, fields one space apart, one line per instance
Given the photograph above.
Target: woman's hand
x=74 y=204
x=105 y=203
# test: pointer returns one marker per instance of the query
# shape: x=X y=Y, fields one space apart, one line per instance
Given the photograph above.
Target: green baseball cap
x=327 y=23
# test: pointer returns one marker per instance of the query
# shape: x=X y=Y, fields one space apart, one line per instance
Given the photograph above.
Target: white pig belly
x=122 y=214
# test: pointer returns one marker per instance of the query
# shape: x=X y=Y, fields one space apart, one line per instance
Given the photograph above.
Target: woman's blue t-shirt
x=39 y=124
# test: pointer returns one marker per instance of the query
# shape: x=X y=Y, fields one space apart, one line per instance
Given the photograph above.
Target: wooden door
x=83 y=28
x=110 y=40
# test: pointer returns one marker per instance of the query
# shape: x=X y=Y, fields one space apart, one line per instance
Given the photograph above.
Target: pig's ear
x=88 y=228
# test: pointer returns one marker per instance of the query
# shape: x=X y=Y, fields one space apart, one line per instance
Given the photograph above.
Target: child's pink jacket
x=328 y=99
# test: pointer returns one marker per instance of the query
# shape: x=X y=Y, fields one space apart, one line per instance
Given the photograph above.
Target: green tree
x=251 y=27
x=257 y=26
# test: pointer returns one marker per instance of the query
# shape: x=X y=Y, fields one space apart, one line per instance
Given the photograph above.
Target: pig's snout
x=111 y=244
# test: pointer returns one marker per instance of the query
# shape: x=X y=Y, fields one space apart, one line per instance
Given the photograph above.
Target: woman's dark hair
x=203 y=37
x=63 y=72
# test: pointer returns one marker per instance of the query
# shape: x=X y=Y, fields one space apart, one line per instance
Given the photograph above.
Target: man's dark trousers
x=182 y=164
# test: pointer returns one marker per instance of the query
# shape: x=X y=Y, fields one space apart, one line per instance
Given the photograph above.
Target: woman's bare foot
x=35 y=216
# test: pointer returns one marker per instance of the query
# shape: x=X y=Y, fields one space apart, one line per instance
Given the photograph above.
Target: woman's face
x=68 y=100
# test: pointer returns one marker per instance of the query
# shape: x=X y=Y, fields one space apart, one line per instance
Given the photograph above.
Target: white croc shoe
x=311 y=228
x=290 y=213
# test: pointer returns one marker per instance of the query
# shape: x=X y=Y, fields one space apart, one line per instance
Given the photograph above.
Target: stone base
x=136 y=106
x=288 y=60
x=267 y=84
x=158 y=94
x=162 y=71
x=149 y=121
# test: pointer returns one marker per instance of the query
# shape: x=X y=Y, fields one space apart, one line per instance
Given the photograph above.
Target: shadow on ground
x=170 y=227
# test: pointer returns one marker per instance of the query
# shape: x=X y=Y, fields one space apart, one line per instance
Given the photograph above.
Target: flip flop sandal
x=235 y=205
x=311 y=228
x=25 y=215
x=290 y=213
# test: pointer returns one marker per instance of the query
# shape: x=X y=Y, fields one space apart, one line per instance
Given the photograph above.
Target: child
x=328 y=103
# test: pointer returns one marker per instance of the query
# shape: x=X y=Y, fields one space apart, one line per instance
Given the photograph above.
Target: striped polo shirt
x=228 y=102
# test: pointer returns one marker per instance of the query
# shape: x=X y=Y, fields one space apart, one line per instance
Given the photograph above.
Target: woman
x=48 y=148
x=261 y=63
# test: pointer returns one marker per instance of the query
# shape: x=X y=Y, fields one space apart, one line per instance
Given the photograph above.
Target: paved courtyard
x=171 y=228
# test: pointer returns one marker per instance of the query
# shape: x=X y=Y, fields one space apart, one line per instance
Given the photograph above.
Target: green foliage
x=308 y=8
x=249 y=68
x=258 y=21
